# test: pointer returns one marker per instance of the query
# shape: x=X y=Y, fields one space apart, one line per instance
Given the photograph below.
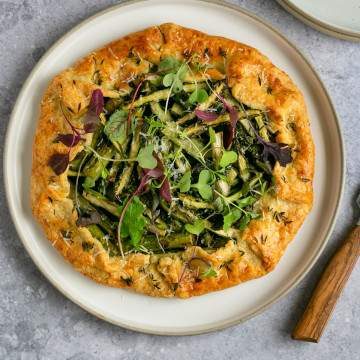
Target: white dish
x=216 y=310
x=338 y=18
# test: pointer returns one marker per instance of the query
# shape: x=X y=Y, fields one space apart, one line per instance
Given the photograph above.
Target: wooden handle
x=313 y=322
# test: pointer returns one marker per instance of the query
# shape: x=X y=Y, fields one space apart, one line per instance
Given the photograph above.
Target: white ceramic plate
x=338 y=18
x=216 y=310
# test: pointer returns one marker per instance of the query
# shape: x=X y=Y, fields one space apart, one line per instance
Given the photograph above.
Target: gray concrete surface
x=37 y=322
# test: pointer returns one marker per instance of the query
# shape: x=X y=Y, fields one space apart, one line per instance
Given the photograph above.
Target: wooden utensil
x=324 y=298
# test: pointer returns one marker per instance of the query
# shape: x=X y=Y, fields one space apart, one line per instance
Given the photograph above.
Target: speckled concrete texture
x=37 y=322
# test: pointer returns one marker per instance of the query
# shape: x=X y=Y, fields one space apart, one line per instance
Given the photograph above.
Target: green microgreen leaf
x=227 y=158
x=146 y=158
x=115 y=128
x=203 y=186
x=134 y=222
x=104 y=173
x=168 y=79
x=219 y=204
x=176 y=72
x=154 y=125
x=177 y=85
x=211 y=272
x=212 y=135
x=230 y=218
x=198 y=96
x=185 y=182
x=244 y=221
x=253 y=215
x=88 y=183
x=169 y=64
x=196 y=228
x=249 y=200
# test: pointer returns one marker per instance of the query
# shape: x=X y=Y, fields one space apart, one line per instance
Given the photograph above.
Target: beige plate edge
x=318 y=25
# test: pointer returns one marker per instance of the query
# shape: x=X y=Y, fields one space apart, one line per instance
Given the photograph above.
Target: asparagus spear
x=192 y=146
x=193 y=203
x=160 y=95
x=86 y=208
x=98 y=234
x=184 y=215
x=171 y=242
x=196 y=129
x=134 y=149
x=231 y=176
x=217 y=148
x=262 y=128
x=95 y=166
x=101 y=201
x=177 y=109
x=243 y=167
x=156 y=109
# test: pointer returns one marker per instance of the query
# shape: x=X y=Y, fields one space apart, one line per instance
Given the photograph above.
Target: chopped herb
x=87 y=246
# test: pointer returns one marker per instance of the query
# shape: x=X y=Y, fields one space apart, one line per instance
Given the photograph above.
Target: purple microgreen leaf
x=97 y=102
x=153 y=173
x=59 y=162
x=206 y=115
x=135 y=95
x=96 y=107
x=279 y=151
x=147 y=176
x=93 y=218
x=91 y=122
x=69 y=140
x=230 y=130
x=165 y=192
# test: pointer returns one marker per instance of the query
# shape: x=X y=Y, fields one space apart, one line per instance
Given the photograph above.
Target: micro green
x=198 y=96
x=146 y=158
x=185 y=182
x=231 y=217
x=176 y=72
x=154 y=125
x=196 y=228
x=203 y=186
x=227 y=158
x=134 y=222
x=115 y=127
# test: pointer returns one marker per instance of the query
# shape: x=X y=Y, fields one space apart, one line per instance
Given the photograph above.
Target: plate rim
x=210 y=327
x=319 y=25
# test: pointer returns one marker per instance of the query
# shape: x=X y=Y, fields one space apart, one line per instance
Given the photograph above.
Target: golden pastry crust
x=254 y=81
